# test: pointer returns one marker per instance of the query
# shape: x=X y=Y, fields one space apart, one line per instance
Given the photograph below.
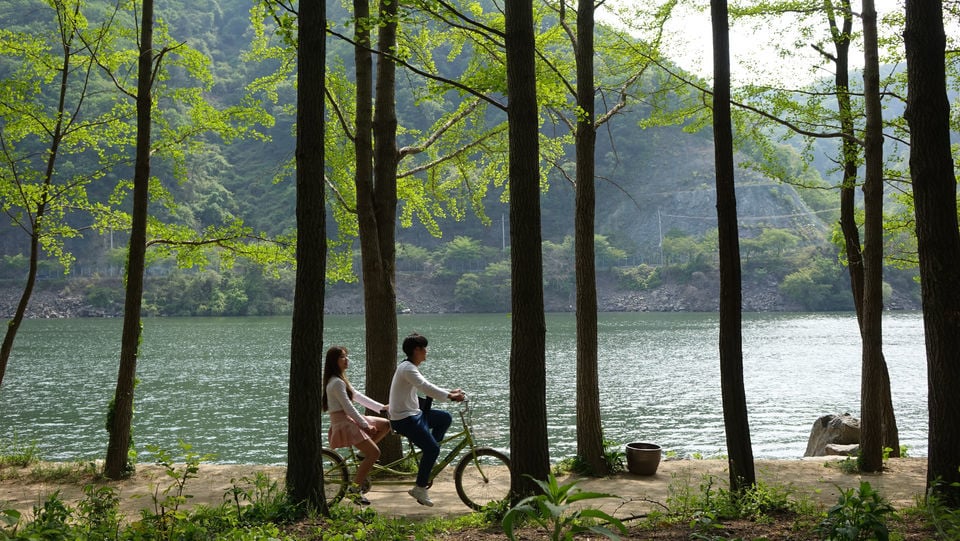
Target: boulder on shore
x=832 y=433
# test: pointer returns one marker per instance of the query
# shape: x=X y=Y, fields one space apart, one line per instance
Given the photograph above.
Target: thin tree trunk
x=589 y=428
x=851 y=151
x=938 y=239
x=37 y=225
x=875 y=383
x=120 y=420
x=530 y=453
x=304 y=477
x=731 y=342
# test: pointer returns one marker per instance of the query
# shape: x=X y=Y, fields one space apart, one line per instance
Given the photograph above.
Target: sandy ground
x=819 y=479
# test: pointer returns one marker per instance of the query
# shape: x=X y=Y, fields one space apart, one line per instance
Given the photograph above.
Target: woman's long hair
x=331 y=369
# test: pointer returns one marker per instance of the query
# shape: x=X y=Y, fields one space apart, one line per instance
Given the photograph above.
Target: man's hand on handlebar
x=457 y=395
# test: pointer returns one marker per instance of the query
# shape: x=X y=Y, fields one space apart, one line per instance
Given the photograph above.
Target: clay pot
x=643 y=458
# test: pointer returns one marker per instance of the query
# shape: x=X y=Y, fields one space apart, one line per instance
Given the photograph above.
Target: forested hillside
x=655 y=207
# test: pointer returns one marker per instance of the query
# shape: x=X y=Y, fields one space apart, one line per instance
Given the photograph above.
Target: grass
x=17 y=453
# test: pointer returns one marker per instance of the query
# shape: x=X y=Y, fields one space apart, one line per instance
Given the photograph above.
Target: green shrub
x=858 y=515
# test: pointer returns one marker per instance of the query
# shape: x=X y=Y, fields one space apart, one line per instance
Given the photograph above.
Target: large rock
x=833 y=431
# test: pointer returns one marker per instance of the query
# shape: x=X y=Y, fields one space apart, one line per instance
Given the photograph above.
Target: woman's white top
x=337 y=400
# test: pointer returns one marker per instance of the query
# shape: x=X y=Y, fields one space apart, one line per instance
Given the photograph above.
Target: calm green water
x=220 y=384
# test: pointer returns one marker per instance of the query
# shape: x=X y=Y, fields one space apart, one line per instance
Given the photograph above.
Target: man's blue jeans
x=425 y=431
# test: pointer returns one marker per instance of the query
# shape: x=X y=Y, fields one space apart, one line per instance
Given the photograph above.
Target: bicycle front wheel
x=336 y=477
x=483 y=477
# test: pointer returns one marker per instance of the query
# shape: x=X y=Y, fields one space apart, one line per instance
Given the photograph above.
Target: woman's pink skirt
x=344 y=431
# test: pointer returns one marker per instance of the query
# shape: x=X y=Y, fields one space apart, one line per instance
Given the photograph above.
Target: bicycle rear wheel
x=336 y=477
x=482 y=477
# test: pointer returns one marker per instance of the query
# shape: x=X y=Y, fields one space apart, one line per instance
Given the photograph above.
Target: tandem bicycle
x=482 y=475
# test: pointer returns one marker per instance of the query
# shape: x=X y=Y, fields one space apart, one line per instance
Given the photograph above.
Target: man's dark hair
x=412 y=342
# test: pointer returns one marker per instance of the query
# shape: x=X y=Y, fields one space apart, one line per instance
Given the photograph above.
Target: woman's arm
x=367 y=402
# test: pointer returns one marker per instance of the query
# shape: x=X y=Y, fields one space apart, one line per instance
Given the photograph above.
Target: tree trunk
x=304 y=478
x=880 y=395
x=935 y=198
x=875 y=382
x=380 y=291
x=120 y=417
x=735 y=419
x=528 y=416
x=376 y=183
x=589 y=428
x=851 y=151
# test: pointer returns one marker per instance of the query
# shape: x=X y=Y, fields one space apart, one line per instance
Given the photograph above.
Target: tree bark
x=851 y=151
x=528 y=416
x=938 y=239
x=875 y=382
x=735 y=420
x=589 y=428
x=879 y=393
x=379 y=257
x=120 y=417
x=304 y=477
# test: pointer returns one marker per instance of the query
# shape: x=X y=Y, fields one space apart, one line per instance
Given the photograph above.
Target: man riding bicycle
x=426 y=427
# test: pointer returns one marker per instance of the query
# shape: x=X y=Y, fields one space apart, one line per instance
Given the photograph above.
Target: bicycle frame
x=464 y=439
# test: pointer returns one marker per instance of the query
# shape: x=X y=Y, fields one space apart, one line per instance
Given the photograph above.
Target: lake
x=220 y=384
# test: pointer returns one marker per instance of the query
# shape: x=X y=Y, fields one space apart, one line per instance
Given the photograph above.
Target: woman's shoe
x=355 y=494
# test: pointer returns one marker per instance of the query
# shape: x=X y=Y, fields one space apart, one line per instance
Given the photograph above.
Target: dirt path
x=901 y=483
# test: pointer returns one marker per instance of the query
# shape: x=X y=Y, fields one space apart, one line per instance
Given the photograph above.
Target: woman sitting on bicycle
x=347 y=426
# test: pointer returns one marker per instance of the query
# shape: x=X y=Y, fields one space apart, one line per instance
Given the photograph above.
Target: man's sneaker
x=355 y=494
x=420 y=493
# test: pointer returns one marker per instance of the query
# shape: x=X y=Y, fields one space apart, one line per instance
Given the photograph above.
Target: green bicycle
x=482 y=476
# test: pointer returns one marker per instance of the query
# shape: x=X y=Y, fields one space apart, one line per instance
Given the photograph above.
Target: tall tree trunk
x=529 y=449
x=735 y=419
x=304 y=478
x=889 y=435
x=120 y=417
x=379 y=255
x=589 y=428
x=935 y=203
x=875 y=403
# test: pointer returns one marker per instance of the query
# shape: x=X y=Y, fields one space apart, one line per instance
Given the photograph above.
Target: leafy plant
x=99 y=512
x=554 y=510
x=613 y=455
x=8 y=518
x=264 y=502
x=167 y=501
x=847 y=465
x=945 y=519
x=859 y=514
x=50 y=519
